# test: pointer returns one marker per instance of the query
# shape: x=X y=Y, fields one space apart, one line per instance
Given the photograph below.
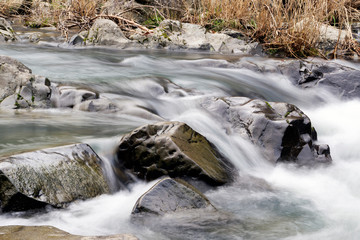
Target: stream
x=282 y=202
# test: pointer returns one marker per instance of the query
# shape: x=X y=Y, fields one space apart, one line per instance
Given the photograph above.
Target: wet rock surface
x=168 y=196
x=341 y=80
x=48 y=232
x=282 y=131
x=172 y=149
x=54 y=176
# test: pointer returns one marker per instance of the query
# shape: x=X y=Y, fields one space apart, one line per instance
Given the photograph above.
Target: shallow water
x=267 y=202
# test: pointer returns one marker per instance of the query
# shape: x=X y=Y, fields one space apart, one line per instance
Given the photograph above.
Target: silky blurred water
x=267 y=202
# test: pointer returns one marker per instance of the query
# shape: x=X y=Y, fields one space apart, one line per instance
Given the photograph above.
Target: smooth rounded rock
x=168 y=196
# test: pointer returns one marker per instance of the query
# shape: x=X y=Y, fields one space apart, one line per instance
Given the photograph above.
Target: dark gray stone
x=172 y=149
x=169 y=196
x=54 y=176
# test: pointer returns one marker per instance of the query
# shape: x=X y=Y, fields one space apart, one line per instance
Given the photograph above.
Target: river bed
x=285 y=202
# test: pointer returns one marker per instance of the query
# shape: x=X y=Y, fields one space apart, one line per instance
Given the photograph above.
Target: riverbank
x=282 y=29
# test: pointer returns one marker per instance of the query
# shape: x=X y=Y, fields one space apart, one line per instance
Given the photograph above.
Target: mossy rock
x=54 y=176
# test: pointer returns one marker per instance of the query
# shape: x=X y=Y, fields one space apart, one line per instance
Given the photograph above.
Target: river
x=282 y=202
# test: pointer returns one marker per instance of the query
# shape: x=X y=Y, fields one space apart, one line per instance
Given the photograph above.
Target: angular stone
x=54 y=176
x=172 y=149
x=106 y=32
x=281 y=130
x=48 y=232
x=169 y=195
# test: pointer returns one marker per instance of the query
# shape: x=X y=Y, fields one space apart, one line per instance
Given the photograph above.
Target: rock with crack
x=172 y=149
x=54 y=176
x=281 y=130
x=48 y=232
x=6 y=31
x=170 y=196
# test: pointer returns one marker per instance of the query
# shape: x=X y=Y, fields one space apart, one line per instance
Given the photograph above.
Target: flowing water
x=267 y=202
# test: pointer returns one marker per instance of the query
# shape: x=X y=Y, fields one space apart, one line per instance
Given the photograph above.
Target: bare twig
x=145 y=29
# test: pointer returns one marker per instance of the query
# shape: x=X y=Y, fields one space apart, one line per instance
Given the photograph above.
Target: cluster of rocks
x=170 y=34
x=184 y=162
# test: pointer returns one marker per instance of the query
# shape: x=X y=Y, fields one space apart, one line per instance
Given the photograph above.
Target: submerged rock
x=281 y=130
x=69 y=96
x=48 y=232
x=54 y=176
x=119 y=106
x=169 y=195
x=6 y=31
x=172 y=149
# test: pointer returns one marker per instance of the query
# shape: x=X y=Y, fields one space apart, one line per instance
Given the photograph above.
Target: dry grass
x=289 y=26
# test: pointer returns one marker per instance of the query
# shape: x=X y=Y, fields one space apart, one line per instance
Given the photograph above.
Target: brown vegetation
x=289 y=26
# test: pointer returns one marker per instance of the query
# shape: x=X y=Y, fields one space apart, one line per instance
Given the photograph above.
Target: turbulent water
x=267 y=202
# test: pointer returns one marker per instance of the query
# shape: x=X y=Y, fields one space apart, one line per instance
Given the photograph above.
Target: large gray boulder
x=172 y=149
x=169 y=196
x=106 y=32
x=6 y=31
x=281 y=130
x=48 y=232
x=54 y=176
x=19 y=88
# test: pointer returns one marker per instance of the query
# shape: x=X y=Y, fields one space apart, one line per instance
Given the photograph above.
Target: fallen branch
x=130 y=22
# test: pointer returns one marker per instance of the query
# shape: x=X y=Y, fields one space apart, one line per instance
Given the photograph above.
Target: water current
x=267 y=202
